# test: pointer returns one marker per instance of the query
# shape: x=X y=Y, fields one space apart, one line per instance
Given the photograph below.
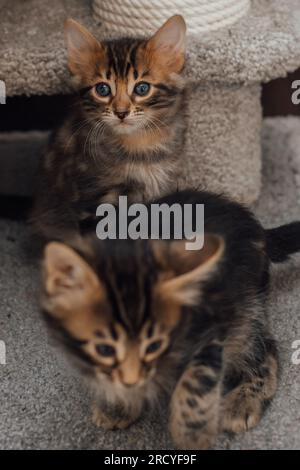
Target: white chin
x=125 y=128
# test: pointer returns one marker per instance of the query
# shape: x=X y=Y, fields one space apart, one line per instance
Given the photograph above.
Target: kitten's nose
x=121 y=114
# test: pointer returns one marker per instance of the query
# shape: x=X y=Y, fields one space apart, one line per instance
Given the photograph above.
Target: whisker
x=81 y=126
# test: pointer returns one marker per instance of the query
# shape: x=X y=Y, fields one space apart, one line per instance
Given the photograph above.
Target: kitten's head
x=131 y=84
x=120 y=307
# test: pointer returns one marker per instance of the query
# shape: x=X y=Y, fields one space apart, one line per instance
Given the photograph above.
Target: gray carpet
x=44 y=404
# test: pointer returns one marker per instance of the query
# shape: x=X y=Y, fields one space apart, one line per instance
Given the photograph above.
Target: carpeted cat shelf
x=233 y=46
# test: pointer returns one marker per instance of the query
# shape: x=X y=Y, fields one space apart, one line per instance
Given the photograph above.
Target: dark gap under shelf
x=22 y=113
x=15 y=207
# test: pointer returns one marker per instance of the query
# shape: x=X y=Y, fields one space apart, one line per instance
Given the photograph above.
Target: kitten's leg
x=115 y=415
x=243 y=406
x=194 y=418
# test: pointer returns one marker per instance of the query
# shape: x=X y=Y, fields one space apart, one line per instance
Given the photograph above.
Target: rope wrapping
x=141 y=17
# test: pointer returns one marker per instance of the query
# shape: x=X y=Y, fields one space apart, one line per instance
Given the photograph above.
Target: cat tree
x=228 y=58
x=135 y=17
x=223 y=150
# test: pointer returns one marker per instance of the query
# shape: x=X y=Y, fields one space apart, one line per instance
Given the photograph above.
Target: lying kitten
x=125 y=133
x=148 y=318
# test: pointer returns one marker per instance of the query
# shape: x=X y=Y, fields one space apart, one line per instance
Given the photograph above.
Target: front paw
x=102 y=420
x=241 y=415
x=194 y=435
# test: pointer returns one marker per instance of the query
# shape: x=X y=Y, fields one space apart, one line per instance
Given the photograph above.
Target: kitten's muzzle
x=121 y=114
x=129 y=385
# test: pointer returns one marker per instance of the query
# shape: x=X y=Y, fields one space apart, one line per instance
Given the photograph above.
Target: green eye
x=153 y=347
x=102 y=89
x=142 y=88
x=105 y=350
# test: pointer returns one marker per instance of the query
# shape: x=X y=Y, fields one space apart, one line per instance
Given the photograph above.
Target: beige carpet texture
x=224 y=70
x=262 y=45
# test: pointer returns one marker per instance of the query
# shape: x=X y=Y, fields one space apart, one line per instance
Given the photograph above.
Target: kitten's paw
x=192 y=434
x=241 y=415
x=244 y=406
x=101 y=420
x=185 y=439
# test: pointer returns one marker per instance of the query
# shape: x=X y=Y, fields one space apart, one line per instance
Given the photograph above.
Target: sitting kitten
x=125 y=133
x=147 y=318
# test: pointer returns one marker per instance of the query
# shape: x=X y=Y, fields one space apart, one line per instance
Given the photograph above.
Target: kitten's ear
x=167 y=46
x=69 y=282
x=183 y=270
x=84 y=50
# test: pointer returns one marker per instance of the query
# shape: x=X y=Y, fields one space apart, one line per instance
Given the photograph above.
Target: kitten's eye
x=105 y=350
x=142 y=89
x=153 y=347
x=102 y=89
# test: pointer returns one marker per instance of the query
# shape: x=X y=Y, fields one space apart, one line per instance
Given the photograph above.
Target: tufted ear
x=84 y=51
x=70 y=284
x=167 y=47
x=182 y=270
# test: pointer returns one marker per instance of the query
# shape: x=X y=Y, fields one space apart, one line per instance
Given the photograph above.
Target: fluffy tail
x=283 y=241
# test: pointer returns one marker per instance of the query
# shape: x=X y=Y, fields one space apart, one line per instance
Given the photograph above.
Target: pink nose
x=121 y=114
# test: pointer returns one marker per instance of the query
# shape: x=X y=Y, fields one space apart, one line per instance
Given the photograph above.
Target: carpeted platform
x=44 y=404
x=262 y=45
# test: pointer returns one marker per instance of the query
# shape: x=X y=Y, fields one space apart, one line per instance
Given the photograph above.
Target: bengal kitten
x=147 y=319
x=125 y=132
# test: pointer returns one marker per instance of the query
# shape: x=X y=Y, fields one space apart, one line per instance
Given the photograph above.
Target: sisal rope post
x=141 y=17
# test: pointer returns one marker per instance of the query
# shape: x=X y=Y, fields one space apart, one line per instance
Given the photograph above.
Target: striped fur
x=216 y=362
x=95 y=155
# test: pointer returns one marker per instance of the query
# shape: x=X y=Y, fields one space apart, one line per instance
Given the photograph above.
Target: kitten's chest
x=140 y=182
x=151 y=180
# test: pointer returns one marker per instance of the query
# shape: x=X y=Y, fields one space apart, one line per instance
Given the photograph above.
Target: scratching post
x=233 y=46
x=223 y=148
x=135 y=17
